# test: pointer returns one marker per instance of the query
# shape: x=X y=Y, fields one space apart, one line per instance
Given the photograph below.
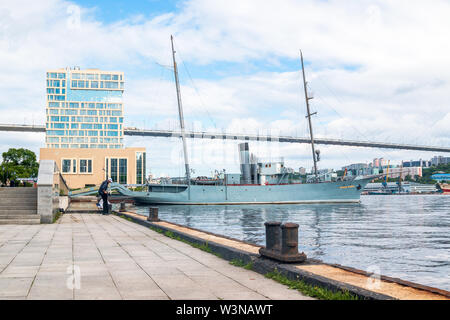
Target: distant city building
x=416 y=163
x=379 y=163
x=84 y=128
x=408 y=171
x=364 y=169
x=369 y=171
x=437 y=160
x=355 y=166
x=325 y=170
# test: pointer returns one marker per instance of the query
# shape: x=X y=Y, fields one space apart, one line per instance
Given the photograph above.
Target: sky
x=378 y=70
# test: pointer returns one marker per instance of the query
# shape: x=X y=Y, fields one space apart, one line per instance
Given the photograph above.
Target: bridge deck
x=246 y=137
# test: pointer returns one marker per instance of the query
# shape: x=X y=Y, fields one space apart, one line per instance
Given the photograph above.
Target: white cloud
x=379 y=69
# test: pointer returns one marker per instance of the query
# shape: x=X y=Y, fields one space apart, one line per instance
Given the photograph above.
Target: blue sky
x=112 y=11
x=368 y=76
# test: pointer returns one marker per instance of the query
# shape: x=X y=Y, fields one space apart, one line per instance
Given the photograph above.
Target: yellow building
x=88 y=167
x=84 y=128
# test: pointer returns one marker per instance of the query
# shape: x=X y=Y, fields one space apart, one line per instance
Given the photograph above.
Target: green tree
x=18 y=163
x=428 y=172
x=408 y=178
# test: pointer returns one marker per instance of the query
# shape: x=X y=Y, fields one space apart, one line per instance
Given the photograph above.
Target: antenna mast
x=180 y=113
x=315 y=159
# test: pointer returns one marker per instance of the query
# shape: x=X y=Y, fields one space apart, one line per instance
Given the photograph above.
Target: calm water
x=404 y=236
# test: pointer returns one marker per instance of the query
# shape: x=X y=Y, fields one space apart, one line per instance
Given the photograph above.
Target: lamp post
x=226 y=184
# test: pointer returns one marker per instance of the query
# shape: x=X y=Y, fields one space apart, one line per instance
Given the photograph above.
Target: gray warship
x=257 y=183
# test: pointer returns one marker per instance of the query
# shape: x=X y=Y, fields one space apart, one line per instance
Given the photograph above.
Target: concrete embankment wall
x=314 y=272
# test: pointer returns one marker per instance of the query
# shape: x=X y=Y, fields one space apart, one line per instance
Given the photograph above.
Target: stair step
x=36 y=220
x=17 y=211
x=13 y=190
x=19 y=190
x=17 y=198
x=18 y=205
x=15 y=203
x=19 y=216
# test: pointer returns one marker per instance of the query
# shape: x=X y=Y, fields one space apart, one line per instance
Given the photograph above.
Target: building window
x=144 y=170
x=139 y=167
x=114 y=170
x=85 y=166
x=122 y=171
x=66 y=165
x=106 y=168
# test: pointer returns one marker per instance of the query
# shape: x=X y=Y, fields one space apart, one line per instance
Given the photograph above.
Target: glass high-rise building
x=84 y=109
x=84 y=129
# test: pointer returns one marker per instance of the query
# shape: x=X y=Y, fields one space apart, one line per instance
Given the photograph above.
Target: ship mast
x=180 y=113
x=309 y=114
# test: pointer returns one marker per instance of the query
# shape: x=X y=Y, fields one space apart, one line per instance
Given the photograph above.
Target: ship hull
x=445 y=188
x=328 y=192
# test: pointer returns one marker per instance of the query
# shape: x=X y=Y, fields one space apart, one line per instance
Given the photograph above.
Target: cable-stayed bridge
x=245 y=137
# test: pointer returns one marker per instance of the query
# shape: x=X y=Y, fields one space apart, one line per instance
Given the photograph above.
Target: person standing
x=103 y=192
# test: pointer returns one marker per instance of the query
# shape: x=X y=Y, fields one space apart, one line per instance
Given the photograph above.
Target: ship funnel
x=254 y=169
x=244 y=159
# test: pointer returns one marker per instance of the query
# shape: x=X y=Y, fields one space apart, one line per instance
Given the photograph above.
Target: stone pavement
x=90 y=256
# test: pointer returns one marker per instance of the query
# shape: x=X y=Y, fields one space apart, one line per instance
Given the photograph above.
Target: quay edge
x=313 y=272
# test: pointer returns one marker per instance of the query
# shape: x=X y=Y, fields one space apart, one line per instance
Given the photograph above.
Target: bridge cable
x=381 y=150
x=196 y=89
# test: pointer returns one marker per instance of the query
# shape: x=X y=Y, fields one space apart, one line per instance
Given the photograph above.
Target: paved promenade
x=89 y=256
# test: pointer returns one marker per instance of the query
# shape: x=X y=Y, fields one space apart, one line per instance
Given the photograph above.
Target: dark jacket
x=103 y=187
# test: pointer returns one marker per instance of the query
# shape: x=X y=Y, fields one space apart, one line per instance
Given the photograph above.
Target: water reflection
x=405 y=236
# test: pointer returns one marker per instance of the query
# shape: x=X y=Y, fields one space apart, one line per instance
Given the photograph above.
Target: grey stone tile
x=51 y=289
x=119 y=259
x=11 y=287
x=190 y=294
x=13 y=271
x=144 y=295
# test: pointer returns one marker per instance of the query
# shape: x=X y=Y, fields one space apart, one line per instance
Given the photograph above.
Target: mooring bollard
x=273 y=235
x=289 y=239
x=122 y=207
x=282 y=242
x=153 y=214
